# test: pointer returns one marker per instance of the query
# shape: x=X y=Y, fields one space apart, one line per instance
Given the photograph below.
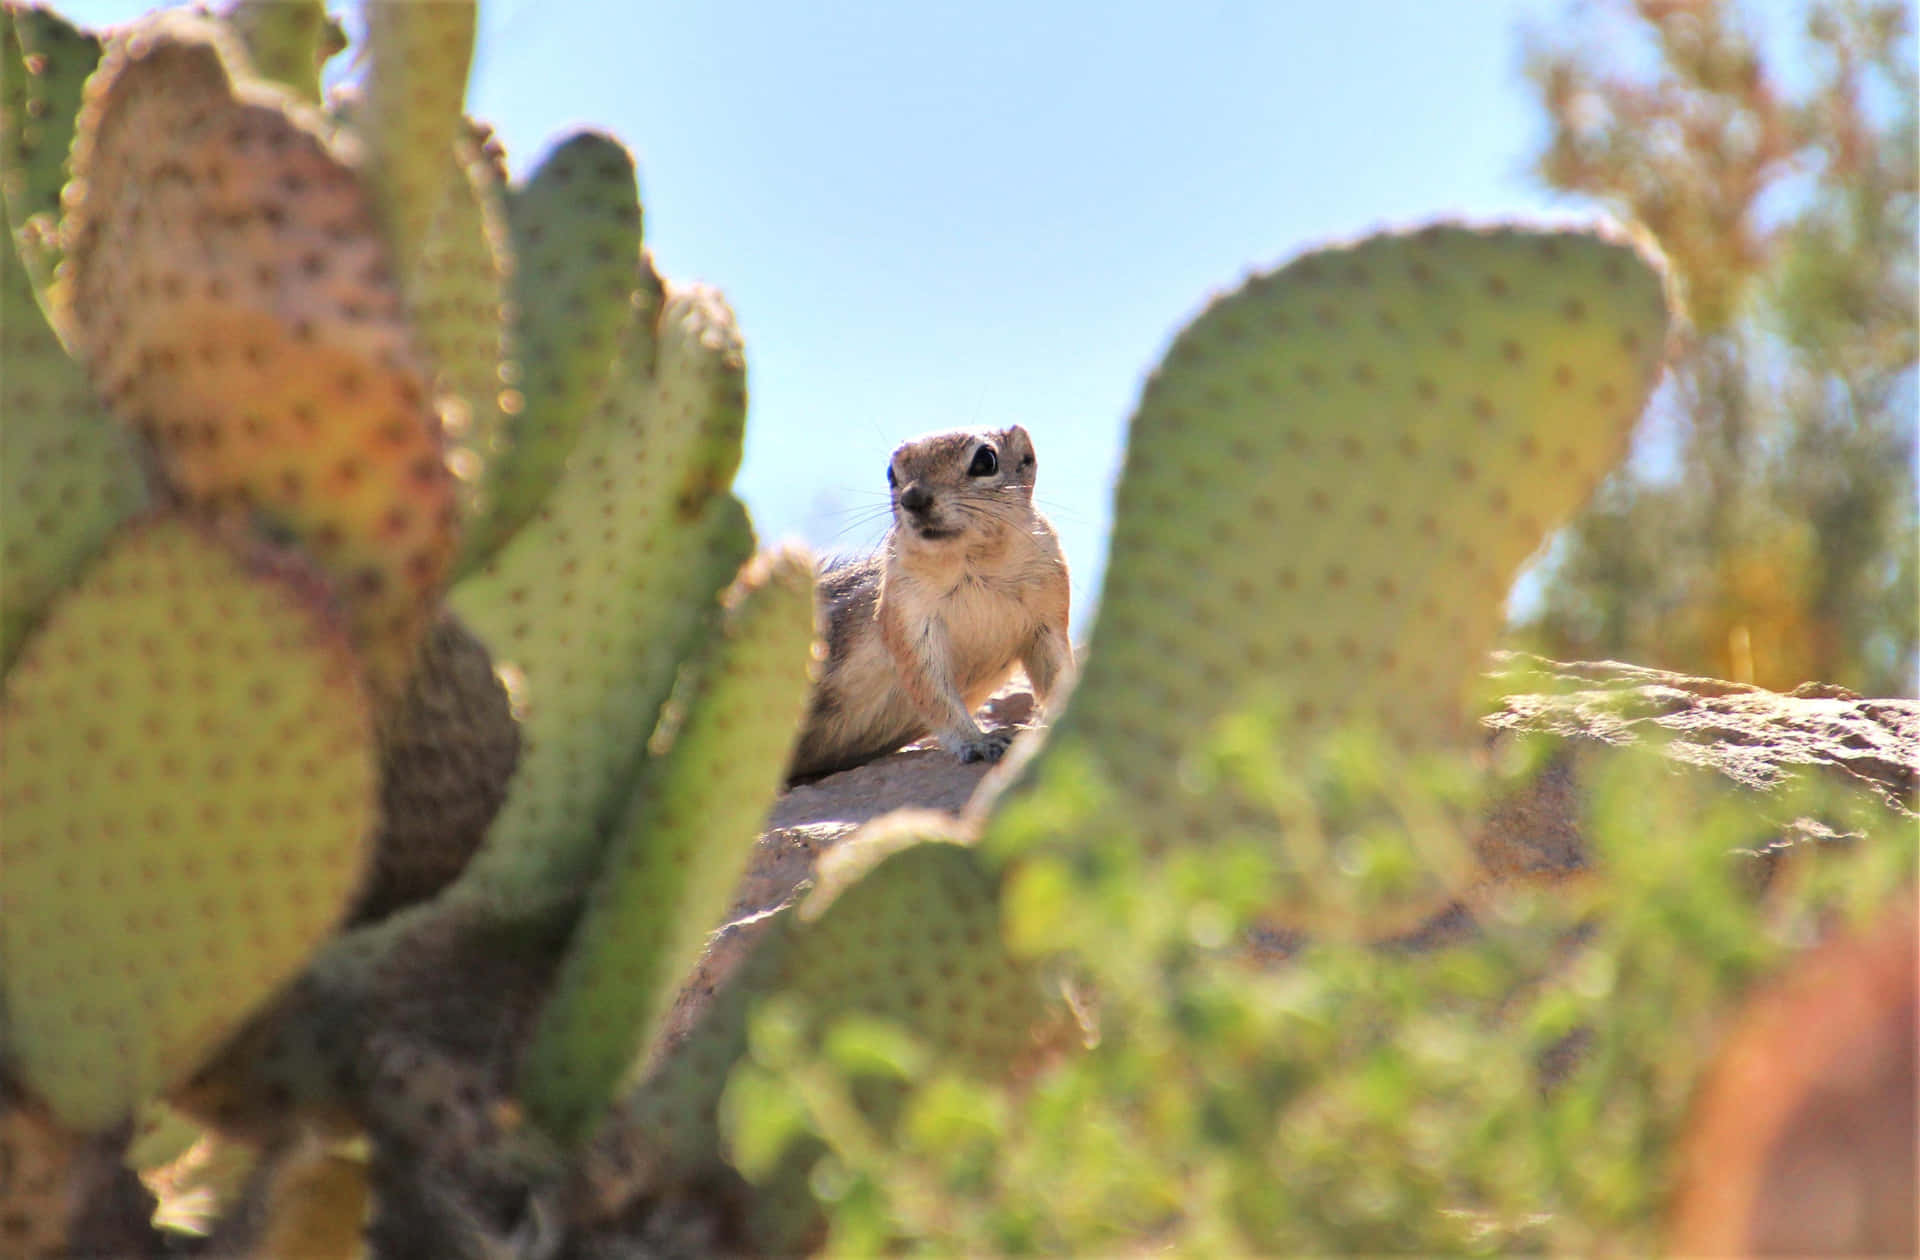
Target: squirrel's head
x=950 y=486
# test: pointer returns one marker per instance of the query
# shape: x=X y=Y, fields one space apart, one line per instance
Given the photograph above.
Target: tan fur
x=969 y=583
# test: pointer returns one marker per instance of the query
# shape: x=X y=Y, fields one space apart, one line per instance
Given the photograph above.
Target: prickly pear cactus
x=447 y=758
x=187 y=772
x=578 y=284
x=902 y=929
x=591 y=608
x=287 y=41
x=455 y=289
x=904 y=925
x=1337 y=469
x=68 y=475
x=681 y=848
x=439 y=197
x=437 y=180
x=335 y=341
x=666 y=1126
x=44 y=64
x=295 y=323
x=1331 y=481
x=418 y=58
x=236 y=305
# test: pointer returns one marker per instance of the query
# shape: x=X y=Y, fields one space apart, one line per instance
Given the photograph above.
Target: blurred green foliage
x=1768 y=533
x=1514 y=1088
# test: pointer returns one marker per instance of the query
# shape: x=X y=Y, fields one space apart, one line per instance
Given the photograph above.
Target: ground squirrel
x=969 y=582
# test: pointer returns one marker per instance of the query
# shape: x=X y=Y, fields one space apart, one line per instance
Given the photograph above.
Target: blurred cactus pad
x=395 y=692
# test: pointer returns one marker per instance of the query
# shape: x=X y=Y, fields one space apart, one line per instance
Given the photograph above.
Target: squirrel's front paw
x=990 y=746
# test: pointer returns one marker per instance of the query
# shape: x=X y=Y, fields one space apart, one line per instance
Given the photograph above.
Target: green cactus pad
x=904 y=925
x=418 y=59
x=455 y=291
x=681 y=848
x=445 y=762
x=44 y=64
x=188 y=784
x=439 y=195
x=236 y=303
x=287 y=41
x=68 y=474
x=666 y=1127
x=1330 y=483
x=903 y=928
x=591 y=608
x=575 y=228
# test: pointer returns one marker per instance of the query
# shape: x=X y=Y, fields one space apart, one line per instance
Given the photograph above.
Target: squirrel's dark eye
x=985 y=463
x=891 y=479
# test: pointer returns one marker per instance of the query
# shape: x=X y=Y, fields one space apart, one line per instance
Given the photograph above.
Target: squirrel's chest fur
x=986 y=620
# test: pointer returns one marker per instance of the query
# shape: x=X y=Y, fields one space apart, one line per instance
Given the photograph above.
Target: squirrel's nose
x=915 y=498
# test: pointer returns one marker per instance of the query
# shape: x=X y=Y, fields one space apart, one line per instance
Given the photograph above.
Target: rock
x=1762 y=742
x=919 y=775
x=1758 y=739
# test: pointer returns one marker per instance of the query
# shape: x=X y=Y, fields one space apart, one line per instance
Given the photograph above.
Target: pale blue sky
x=936 y=215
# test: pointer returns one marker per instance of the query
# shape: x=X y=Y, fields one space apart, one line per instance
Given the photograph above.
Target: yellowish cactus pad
x=188 y=782
x=1331 y=481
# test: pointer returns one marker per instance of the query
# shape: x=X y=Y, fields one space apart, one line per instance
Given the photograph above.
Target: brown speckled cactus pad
x=236 y=304
x=187 y=776
x=446 y=760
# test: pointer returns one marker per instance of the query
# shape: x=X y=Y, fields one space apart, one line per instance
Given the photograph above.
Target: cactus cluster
x=393 y=695
x=1338 y=469
x=276 y=370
